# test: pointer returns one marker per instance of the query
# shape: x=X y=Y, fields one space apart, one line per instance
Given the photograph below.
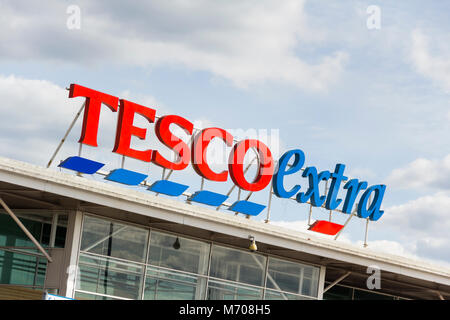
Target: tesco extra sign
x=291 y=162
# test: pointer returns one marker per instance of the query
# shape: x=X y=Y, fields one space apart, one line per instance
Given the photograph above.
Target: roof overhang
x=48 y=189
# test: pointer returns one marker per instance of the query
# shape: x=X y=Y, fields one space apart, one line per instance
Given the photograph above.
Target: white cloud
x=433 y=66
x=421 y=225
x=425 y=216
x=422 y=173
x=247 y=42
x=33 y=113
x=37 y=113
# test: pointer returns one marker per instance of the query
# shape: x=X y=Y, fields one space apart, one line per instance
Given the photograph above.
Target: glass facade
x=339 y=292
x=20 y=262
x=122 y=261
x=22 y=269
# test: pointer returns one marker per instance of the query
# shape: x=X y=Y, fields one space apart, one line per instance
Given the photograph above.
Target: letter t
x=94 y=100
x=336 y=178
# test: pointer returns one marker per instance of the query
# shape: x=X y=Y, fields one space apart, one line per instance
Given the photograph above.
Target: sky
x=362 y=83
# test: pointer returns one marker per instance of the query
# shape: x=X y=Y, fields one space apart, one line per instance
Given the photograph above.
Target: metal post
x=367 y=231
x=310 y=214
x=80 y=148
x=345 y=224
x=189 y=143
x=123 y=162
x=234 y=186
x=53 y=230
x=246 y=199
x=162 y=178
x=65 y=136
x=326 y=192
x=168 y=175
x=239 y=198
x=25 y=230
x=367 y=224
x=270 y=203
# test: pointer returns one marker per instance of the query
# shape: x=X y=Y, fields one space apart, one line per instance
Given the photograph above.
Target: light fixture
x=253 y=247
x=176 y=245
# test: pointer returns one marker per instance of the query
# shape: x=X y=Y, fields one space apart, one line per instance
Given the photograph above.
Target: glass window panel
x=366 y=295
x=104 y=262
x=16 y=268
x=292 y=277
x=338 y=293
x=87 y=296
x=187 y=255
x=114 y=239
x=218 y=290
x=237 y=265
x=40 y=272
x=11 y=234
x=166 y=285
x=110 y=277
x=277 y=295
x=60 y=236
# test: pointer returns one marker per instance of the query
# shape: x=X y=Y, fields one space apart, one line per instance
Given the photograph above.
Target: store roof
x=25 y=186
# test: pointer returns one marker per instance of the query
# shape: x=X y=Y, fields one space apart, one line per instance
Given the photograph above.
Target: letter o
x=236 y=165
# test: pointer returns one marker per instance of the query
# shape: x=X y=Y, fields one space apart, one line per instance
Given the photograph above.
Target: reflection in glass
x=366 y=295
x=218 y=290
x=22 y=269
x=178 y=253
x=113 y=239
x=11 y=235
x=277 y=295
x=167 y=285
x=122 y=261
x=110 y=277
x=87 y=296
x=292 y=277
x=338 y=293
x=237 y=265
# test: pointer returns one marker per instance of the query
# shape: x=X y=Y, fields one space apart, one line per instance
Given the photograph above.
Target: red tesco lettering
x=185 y=155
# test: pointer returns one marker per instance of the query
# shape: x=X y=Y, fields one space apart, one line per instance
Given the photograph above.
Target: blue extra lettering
x=278 y=186
x=313 y=192
x=374 y=212
x=353 y=187
x=336 y=178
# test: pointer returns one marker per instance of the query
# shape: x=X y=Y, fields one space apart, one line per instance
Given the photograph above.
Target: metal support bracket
x=337 y=281
x=441 y=297
x=66 y=134
x=25 y=230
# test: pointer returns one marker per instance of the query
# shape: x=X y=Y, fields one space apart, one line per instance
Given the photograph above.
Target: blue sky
x=373 y=99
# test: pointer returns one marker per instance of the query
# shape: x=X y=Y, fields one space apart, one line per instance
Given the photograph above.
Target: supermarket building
x=109 y=242
x=124 y=236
